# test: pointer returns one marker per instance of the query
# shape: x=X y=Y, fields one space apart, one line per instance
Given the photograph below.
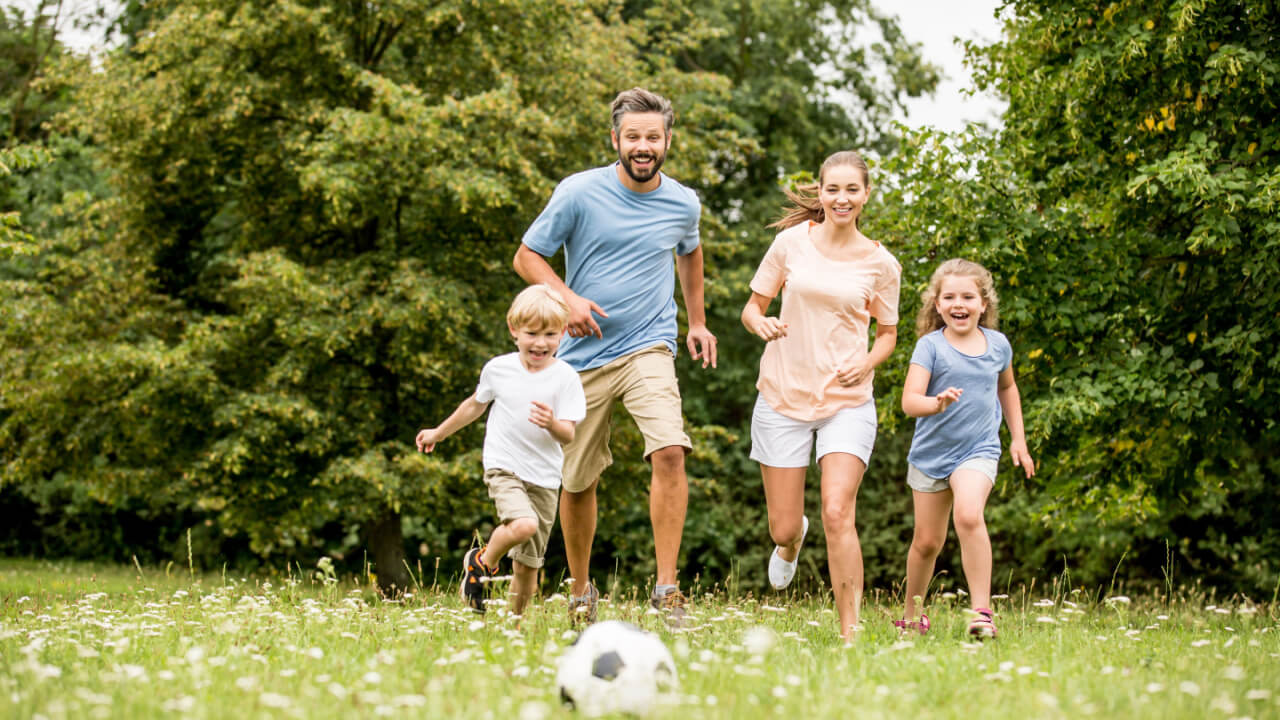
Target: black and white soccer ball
x=615 y=667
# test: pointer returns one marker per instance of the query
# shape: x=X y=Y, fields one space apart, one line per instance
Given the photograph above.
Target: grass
x=95 y=641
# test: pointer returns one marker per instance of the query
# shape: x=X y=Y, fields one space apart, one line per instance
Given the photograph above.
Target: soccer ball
x=615 y=667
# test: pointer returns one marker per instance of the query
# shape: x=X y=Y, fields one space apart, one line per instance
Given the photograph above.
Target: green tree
x=1129 y=210
x=309 y=255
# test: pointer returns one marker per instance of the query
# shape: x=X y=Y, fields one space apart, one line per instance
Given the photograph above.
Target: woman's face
x=842 y=193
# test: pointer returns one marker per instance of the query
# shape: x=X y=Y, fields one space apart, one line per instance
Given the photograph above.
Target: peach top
x=827 y=305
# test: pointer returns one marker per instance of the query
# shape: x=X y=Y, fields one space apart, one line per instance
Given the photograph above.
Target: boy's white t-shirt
x=511 y=441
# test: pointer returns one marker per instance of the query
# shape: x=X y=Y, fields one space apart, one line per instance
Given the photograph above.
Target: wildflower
x=1233 y=672
x=1257 y=694
x=1154 y=687
x=275 y=700
x=1189 y=687
x=534 y=710
x=1118 y=600
x=759 y=640
x=1046 y=619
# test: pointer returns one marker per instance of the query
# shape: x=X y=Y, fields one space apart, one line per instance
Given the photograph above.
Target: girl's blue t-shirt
x=970 y=427
x=618 y=246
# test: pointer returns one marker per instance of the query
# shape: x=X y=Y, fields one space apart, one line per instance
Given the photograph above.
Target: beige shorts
x=645 y=381
x=516 y=498
x=919 y=481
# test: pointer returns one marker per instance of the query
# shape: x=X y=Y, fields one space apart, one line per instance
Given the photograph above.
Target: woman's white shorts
x=780 y=441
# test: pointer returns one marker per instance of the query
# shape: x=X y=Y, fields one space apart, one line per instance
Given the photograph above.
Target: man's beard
x=653 y=171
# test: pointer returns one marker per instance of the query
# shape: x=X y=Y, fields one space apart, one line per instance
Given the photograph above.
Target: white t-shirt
x=511 y=441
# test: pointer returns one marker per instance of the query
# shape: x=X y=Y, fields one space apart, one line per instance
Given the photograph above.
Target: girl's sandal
x=905 y=626
x=983 y=624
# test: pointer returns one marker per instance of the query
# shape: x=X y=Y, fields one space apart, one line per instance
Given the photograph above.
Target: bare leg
x=971 y=490
x=523 y=586
x=932 y=514
x=784 y=498
x=841 y=476
x=578 y=523
x=507 y=536
x=668 y=505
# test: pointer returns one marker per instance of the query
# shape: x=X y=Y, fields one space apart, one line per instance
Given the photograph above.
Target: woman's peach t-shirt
x=827 y=305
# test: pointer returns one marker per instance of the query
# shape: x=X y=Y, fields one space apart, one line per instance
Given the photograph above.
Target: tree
x=317 y=207
x=1128 y=208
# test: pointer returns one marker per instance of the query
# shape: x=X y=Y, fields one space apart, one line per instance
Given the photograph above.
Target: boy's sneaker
x=582 y=608
x=983 y=624
x=671 y=604
x=475 y=578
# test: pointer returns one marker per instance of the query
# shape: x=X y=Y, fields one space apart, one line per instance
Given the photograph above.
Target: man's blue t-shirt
x=970 y=427
x=617 y=245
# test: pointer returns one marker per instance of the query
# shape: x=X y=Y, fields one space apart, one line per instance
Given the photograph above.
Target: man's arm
x=534 y=269
x=702 y=344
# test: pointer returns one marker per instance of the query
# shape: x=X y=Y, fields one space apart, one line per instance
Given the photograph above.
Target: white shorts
x=924 y=483
x=780 y=441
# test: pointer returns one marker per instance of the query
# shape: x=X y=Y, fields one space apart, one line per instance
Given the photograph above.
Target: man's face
x=641 y=141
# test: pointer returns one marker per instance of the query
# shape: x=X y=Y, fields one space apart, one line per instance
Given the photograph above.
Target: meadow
x=97 y=641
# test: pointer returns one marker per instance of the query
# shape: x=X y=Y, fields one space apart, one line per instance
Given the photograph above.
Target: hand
x=770 y=329
x=702 y=345
x=1021 y=457
x=855 y=374
x=947 y=397
x=581 y=324
x=427 y=440
x=540 y=414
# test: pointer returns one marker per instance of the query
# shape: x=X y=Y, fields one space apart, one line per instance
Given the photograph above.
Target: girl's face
x=537 y=346
x=960 y=303
x=842 y=193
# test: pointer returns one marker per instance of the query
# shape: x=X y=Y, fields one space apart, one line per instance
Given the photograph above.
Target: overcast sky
x=935 y=24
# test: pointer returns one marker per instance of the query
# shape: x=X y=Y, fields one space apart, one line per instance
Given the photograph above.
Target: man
x=619 y=226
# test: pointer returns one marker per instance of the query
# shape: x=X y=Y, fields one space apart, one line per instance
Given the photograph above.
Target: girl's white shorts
x=780 y=441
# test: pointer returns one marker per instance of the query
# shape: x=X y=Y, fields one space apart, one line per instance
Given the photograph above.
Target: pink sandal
x=983 y=625
x=904 y=626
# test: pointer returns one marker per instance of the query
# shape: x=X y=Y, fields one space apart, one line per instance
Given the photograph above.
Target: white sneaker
x=781 y=572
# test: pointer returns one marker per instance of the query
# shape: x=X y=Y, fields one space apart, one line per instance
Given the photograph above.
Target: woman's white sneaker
x=781 y=572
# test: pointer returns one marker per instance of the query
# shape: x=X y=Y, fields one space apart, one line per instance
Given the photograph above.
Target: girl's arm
x=754 y=319
x=1011 y=404
x=467 y=412
x=915 y=403
x=881 y=348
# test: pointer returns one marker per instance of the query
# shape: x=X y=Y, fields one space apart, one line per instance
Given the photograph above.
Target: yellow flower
x=1035 y=353
x=1130 y=157
x=1169 y=121
x=1199 y=102
x=1151 y=122
x=1252 y=146
x=1191 y=337
x=1164 y=111
x=1148 y=24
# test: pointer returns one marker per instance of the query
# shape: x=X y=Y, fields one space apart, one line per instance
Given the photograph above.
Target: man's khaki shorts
x=645 y=381
x=516 y=498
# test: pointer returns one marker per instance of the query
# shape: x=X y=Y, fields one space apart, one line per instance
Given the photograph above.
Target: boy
x=537 y=401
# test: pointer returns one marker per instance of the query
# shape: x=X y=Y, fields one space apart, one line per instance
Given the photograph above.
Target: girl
x=816 y=371
x=959 y=384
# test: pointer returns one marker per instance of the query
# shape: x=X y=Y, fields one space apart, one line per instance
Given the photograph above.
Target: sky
x=935 y=24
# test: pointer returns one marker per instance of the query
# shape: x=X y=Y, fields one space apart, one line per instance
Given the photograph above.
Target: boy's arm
x=1011 y=404
x=702 y=344
x=543 y=416
x=467 y=412
x=915 y=403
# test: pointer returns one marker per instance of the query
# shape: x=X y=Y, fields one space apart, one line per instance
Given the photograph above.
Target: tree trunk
x=387 y=542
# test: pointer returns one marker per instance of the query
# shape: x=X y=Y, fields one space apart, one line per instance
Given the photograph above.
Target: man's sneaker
x=475 y=578
x=781 y=572
x=983 y=624
x=671 y=604
x=582 y=609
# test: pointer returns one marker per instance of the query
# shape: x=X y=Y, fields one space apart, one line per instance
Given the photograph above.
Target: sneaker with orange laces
x=671 y=603
x=475 y=577
x=983 y=624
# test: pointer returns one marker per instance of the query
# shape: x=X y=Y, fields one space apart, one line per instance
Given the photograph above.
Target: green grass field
x=80 y=640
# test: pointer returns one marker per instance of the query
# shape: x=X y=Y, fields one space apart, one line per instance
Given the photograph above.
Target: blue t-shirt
x=970 y=427
x=618 y=247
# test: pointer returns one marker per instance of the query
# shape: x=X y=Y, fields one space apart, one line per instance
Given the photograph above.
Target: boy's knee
x=523 y=528
x=668 y=460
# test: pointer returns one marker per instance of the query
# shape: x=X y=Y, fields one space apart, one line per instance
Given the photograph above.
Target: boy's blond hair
x=538 y=307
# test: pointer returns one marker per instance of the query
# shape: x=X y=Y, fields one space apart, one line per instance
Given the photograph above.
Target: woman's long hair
x=805 y=205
